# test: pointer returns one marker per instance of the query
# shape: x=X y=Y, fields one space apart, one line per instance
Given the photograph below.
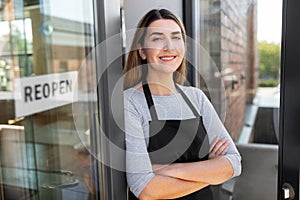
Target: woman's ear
x=141 y=51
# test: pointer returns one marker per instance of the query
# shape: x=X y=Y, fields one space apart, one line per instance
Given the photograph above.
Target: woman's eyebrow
x=176 y=32
x=156 y=33
x=160 y=33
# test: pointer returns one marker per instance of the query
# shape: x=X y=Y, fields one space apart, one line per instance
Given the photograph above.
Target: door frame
x=289 y=137
x=112 y=183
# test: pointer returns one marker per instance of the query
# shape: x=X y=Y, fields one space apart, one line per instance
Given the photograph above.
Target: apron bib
x=177 y=141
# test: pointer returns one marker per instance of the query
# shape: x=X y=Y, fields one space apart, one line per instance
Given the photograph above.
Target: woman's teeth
x=167 y=58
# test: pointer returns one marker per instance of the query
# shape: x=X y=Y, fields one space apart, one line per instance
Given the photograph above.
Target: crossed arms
x=180 y=179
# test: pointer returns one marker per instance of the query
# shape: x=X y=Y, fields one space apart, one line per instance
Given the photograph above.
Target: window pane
x=47 y=100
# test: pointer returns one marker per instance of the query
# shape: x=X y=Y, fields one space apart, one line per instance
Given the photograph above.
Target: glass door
x=47 y=100
x=237 y=67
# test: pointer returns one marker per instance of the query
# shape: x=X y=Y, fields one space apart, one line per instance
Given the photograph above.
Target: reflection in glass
x=47 y=154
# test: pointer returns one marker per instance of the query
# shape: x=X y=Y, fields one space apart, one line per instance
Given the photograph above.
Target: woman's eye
x=156 y=39
x=177 y=38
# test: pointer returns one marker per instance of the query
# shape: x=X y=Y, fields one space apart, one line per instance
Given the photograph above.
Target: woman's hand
x=218 y=148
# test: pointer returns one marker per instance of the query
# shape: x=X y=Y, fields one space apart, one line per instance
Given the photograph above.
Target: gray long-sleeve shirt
x=137 y=116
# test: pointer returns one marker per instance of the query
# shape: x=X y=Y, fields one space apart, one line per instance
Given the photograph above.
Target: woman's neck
x=161 y=85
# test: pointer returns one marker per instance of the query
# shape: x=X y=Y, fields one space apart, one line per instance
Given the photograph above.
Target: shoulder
x=134 y=100
x=193 y=92
x=132 y=94
x=197 y=96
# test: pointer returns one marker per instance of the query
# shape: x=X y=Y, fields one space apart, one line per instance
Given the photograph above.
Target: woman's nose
x=168 y=45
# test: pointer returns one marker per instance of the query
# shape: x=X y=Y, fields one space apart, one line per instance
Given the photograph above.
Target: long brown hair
x=133 y=67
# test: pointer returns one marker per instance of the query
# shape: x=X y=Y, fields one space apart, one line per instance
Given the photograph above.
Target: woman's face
x=164 y=46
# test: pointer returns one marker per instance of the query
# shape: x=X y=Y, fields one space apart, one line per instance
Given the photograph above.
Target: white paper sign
x=39 y=93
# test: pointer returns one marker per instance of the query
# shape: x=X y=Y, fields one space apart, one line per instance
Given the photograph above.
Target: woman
x=176 y=146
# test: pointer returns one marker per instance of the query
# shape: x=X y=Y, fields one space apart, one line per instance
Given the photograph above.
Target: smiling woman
x=176 y=146
x=160 y=36
x=163 y=46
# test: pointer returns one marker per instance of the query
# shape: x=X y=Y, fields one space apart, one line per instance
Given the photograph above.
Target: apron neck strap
x=149 y=100
x=187 y=100
x=151 y=105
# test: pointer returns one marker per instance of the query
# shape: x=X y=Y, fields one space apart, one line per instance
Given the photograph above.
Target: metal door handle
x=68 y=182
x=288 y=191
x=64 y=172
x=65 y=184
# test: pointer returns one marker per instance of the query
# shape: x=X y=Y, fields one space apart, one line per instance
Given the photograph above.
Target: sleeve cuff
x=138 y=186
x=236 y=164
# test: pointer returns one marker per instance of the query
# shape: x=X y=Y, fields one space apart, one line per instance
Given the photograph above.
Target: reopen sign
x=39 y=93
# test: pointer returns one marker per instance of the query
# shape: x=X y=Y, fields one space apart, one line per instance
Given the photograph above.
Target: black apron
x=177 y=141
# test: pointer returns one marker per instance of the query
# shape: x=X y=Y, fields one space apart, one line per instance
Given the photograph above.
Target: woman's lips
x=167 y=58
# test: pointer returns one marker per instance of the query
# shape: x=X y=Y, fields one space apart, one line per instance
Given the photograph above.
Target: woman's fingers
x=214 y=144
x=222 y=148
x=218 y=147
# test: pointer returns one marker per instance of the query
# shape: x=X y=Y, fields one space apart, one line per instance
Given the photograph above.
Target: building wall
x=230 y=38
x=253 y=58
x=238 y=59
